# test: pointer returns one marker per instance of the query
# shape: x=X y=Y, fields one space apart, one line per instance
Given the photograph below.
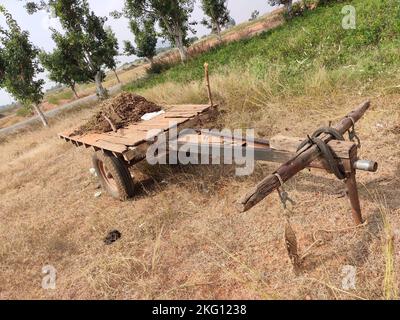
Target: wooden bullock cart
x=115 y=152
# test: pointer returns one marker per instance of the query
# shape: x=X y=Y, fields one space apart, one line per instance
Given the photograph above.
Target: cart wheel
x=114 y=176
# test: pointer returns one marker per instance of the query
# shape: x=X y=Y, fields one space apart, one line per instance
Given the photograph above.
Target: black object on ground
x=112 y=237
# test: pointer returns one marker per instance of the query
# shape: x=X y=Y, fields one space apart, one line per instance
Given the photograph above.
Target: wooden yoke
x=346 y=156
x=303 y=159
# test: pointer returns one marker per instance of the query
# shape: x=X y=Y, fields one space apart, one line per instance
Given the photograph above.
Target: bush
x=158 y=67
x=24 y=111
x=55 y=99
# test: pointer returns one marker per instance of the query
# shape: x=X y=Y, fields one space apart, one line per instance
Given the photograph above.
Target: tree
x=111 y=45
x=287 y=3
x=217 y=13
x=96 y=44
x=172 y=16
x=231 y=23
x=19 y=66
x=145 y=39
x=64 y=63
x=254 y=15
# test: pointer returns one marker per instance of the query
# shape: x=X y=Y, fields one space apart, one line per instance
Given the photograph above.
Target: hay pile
x=118 y=112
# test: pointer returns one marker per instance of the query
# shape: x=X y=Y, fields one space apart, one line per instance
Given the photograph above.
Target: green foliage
x=93 y=45
x=298 y=49
x=158 y=68
x=145 y=38
x=171 y=15
x=254 y=15
x=129 y=49
x=58 y=97
x=217 y=13
x=19 y=65
x=65 y=63
x=24 y=111
x=286 y=3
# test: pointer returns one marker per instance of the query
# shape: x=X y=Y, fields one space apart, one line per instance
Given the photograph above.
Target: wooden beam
x=207 y=80
x=301 y=160
x=341 y=149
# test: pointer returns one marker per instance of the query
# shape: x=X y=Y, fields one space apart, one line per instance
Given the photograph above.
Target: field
x=182 y=237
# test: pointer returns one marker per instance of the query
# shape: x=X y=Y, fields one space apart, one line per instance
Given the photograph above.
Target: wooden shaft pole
x=352 y=191
x=207 y=79
x=302 y=159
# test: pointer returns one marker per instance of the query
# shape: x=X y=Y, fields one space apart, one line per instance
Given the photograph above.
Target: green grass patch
x=24 y=111
x=66 y=94
x=302 y=46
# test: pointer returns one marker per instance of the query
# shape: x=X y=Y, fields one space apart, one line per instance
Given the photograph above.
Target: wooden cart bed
x=130 y=138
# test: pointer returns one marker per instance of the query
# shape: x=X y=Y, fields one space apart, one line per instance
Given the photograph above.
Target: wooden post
x=302 y=159
x=352 y=192
x=351 y=185
x=207 y=78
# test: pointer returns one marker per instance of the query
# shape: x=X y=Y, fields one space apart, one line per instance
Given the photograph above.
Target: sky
x=39 y=23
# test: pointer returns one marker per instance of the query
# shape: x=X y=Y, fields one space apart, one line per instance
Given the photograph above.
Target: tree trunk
x=116 y=75
x=182 y=52
x=151 y=60
x=41 y=115
x=101 y=91
x=288 y=6
x=181 y=47
x=219 y=32
x=74 y=91
x=176 y=32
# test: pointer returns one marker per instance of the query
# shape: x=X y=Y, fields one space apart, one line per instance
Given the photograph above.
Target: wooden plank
x=188 y=114
x=96 y=140
x=191 y=123
x=142 y=128
x=189 y=107
x=125 y=141
x=204 y=139
x=137 y=135
x=184 y=111
x=161 y=119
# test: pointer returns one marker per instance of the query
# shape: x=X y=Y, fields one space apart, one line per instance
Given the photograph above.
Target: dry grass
x=181 y=235
x=10 y=120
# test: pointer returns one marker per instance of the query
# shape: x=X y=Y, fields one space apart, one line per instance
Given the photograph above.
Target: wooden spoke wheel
x=114 y=176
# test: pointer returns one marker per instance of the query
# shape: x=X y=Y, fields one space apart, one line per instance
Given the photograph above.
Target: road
x=52 y=113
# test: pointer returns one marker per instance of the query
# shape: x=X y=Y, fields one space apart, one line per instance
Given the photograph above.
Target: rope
x=325 y=150
x=290 y=235
x=353 y=134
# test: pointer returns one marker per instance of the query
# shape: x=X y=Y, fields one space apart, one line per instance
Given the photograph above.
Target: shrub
x=24 y=111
